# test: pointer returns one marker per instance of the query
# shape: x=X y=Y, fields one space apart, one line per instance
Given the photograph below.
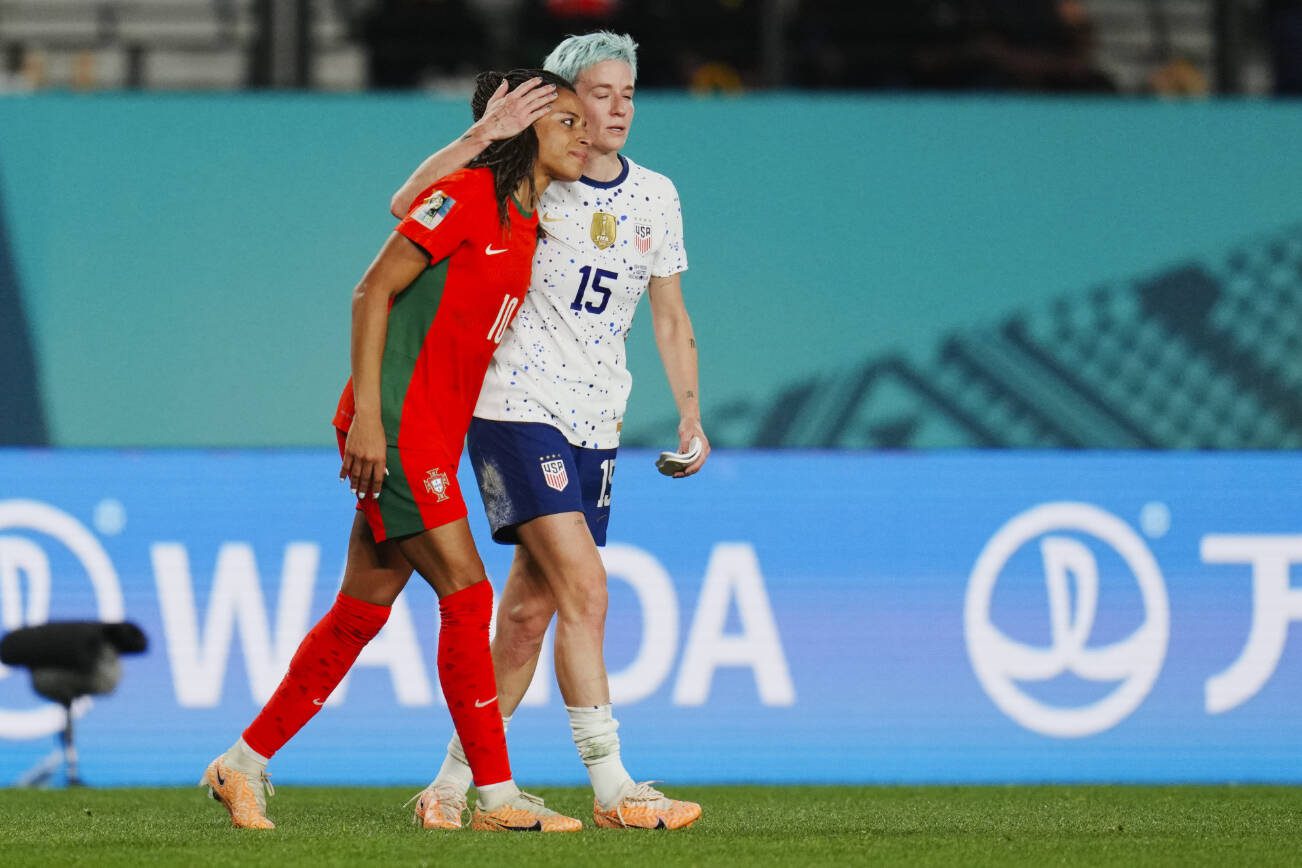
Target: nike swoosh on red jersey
x=490 y=250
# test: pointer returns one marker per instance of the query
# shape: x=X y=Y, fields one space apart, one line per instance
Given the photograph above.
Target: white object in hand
x=670 y=463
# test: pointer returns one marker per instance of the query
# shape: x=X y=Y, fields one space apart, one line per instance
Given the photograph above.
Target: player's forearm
x=369 y=331
x=677 y=345
x=398 y=264
x=445 y=161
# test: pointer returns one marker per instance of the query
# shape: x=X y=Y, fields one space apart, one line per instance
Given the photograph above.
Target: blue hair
x=577 y=53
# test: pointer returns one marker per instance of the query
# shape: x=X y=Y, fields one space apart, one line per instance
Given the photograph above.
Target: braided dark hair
x=511 y=160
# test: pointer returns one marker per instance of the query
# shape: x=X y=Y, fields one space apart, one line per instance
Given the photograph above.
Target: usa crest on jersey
x=642 y=237
x=553 y=470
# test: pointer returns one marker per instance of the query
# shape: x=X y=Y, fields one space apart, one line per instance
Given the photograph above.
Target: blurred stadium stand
x=177 y=44
x=1175 y=47
x=1199 y=356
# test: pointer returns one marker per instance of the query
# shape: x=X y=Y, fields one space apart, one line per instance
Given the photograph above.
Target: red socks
x=324 y=656
x=466 y=675
x=465 y=667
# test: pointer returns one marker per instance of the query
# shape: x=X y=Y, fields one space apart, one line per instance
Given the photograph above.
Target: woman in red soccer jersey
x=427 y=315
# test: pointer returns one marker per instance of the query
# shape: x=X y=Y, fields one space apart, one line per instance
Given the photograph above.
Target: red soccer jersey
x=444 y=328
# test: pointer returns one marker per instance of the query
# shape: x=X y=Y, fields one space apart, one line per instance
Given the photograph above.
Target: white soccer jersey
x=562 y=361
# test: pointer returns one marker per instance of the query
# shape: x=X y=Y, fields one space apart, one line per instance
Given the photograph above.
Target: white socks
x=494 y=796
x=455 y=772
x=594 y=731
x=245 y=759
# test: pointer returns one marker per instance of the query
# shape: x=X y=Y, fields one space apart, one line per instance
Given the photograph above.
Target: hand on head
x=508 y=113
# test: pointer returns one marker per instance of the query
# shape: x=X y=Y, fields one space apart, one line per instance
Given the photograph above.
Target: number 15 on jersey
x=596 y=276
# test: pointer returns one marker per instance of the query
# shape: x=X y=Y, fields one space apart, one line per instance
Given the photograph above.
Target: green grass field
x=740 y=826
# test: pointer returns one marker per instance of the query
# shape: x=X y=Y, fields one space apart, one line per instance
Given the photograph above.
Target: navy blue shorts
x=528 y=469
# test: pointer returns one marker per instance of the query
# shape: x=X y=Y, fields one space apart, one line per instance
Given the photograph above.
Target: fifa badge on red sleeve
x=436 y=483
x=431 y=212
x=642 y=237
x=603 y=229
x=553 y=470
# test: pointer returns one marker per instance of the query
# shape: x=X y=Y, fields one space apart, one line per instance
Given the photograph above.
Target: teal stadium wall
x=865 y=272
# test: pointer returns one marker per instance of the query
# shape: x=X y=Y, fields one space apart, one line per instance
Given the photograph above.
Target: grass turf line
x=740 y=826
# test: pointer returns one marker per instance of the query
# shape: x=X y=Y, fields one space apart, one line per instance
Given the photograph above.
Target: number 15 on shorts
x=607 y=476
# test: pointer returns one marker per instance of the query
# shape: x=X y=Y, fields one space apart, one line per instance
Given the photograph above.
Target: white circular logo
x=21 y=557
x=1001 y=662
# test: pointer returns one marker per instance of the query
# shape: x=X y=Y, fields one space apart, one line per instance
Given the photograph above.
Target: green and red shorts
x=420 y=492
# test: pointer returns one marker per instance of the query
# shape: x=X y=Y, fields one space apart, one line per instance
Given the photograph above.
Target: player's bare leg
x=564 y=553
x=524 y=613
x=374 y=572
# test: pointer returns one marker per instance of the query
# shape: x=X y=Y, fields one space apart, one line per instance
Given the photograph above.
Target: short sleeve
x=671 y=255
x=439 y=220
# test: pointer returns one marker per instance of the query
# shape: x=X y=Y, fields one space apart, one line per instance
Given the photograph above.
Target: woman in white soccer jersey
x=547 y=424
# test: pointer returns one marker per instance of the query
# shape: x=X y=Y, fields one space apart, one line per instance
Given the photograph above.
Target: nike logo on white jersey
x=490 y=250
x=485 y=703
x=547 y=218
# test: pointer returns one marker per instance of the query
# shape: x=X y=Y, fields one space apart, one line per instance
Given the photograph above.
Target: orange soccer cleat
x=440 y=807
x=642 y=806
x=524 y=813
x=244 y=796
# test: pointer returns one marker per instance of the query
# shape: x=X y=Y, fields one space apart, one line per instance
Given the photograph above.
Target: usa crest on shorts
x=553 y=470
